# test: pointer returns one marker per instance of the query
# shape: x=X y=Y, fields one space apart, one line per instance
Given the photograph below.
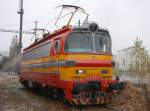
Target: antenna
x=72 y=13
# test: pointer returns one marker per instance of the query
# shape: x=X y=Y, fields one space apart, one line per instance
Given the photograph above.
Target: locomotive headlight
x=80 y=71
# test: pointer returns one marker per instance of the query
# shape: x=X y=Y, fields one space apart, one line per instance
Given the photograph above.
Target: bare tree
x=11 y=63
x=141 y=58
x=13 y=47
x=3 y=61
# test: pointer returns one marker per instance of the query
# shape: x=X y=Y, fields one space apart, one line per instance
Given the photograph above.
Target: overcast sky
x=125 y=19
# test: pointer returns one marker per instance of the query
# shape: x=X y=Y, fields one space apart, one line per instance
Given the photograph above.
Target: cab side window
x=57 y=46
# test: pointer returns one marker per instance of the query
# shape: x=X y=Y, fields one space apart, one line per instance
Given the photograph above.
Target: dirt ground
x=13 y=97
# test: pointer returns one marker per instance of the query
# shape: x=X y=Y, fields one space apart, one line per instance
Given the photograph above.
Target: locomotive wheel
x=25 y=84
x=44 y=91
x=55 y=94
x=49 y=93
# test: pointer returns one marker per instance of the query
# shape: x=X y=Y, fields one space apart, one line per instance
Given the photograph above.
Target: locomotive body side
x=39 y=61
x=74 y=61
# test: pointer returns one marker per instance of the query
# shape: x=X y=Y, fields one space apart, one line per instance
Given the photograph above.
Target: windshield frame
x=93 y=51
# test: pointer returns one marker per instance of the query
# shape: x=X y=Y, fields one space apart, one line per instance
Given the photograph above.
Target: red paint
x=53 y=80
x=93 y=63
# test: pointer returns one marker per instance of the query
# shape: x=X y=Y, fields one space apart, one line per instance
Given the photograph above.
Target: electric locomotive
x=74 y=63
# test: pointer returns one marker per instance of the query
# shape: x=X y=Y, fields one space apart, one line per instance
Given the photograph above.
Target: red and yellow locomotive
x=74 y=63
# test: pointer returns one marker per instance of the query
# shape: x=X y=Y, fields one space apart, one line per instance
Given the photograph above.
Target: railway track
x=16 y=98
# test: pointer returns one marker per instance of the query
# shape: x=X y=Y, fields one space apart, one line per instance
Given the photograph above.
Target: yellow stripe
x=70 y=56
x=40 y=60
x=70 y=72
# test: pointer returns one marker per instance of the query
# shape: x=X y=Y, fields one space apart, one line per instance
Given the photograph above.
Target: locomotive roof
x=48 y=36
x=63 y=30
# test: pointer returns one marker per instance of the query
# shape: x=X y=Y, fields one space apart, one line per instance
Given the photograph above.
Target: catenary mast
x=20 y=12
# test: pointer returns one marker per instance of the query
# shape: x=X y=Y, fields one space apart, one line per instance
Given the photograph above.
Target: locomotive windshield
x=79 y=42
x=87 y=42
x=102 y=43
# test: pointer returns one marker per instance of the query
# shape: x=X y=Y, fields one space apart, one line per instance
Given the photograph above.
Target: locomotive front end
x=88 y=70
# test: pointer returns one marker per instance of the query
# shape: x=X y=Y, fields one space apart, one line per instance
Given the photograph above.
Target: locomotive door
x=56 y=58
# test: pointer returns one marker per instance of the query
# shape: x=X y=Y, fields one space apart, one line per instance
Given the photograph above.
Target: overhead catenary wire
x=15 y=31
x=40 y=19
x=29 y=23
x=8 y=25
x=75 y=2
